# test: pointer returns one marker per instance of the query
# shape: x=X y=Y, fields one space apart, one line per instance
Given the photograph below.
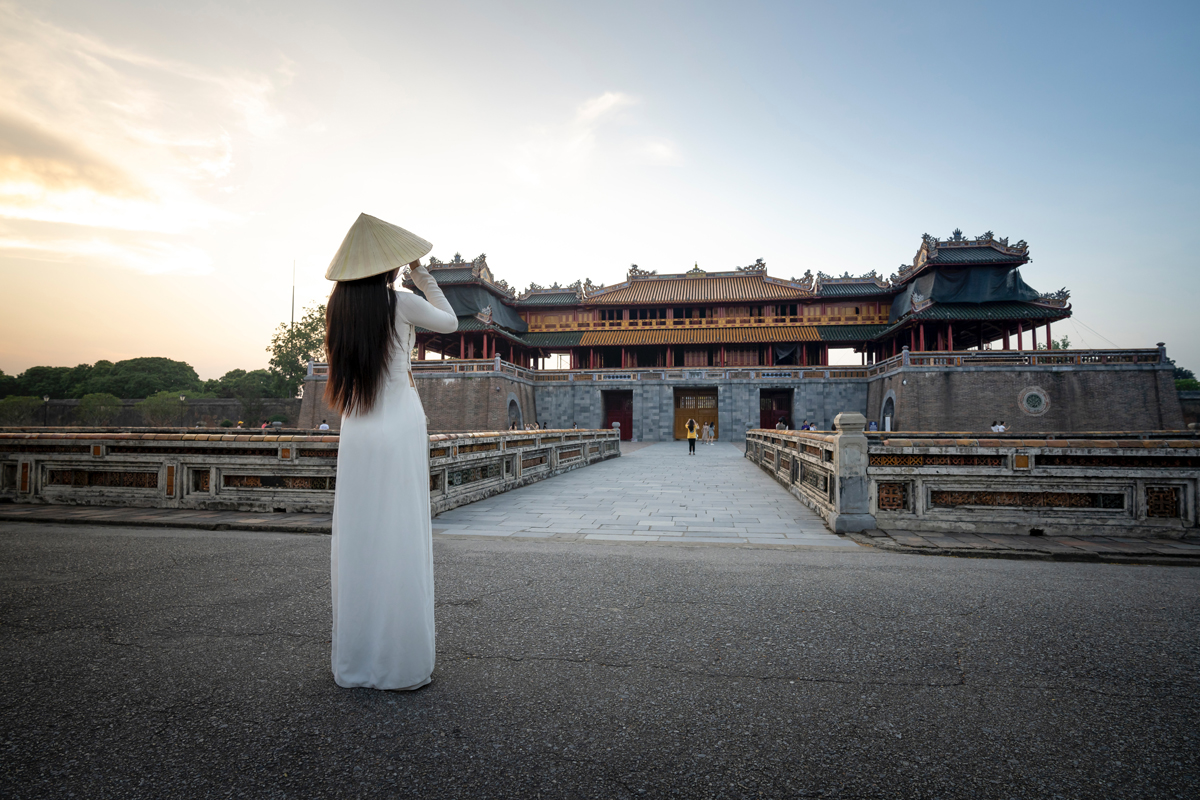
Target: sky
x=164 y=165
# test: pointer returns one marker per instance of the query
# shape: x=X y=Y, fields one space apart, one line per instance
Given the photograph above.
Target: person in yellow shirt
x=692 y=431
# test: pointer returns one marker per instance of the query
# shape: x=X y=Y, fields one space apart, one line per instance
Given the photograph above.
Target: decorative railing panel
x=266 y=473
x=1142 y=483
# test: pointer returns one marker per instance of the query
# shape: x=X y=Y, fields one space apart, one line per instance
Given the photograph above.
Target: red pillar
x=1020 y=336
x=1049 y=340
x=1006 y=347
x=950 y=336
x=622 y=358
x=421 y=351
x=922 y=337
x=462 y=345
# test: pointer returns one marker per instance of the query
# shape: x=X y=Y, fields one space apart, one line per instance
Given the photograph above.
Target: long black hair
x=360 y=332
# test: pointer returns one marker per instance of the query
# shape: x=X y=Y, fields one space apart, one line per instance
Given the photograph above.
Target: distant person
x=574 y=426
x=239 y=424
x=782 y=424
x=1002 y=428
x=265 y=423
x=512 y=426
x=804 y=425
x=324 y=426
x=995 y=426
x=874 y=426
x=692 y=432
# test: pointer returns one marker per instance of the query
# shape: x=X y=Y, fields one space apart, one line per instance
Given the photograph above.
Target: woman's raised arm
x=432 y=311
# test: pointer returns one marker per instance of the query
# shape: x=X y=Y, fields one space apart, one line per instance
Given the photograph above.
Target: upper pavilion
x=957 y=294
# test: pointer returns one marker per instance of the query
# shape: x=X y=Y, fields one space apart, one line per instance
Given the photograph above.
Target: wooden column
x=1033 y=336
x=421 y=351
x=462 y=345
x=950 y=336
x=1049 y=340
x=622 y=358
x=922 y=326
x=1020 y=336
x=1006 y=347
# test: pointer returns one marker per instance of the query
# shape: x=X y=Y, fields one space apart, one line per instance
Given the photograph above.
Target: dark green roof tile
x=844 y=333
x=550 y=299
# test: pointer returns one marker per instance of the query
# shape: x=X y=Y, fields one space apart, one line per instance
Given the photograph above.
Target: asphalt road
x=156 y=663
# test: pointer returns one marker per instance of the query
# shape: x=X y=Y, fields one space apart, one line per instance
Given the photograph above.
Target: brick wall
x=1112 y=398
x=209 y=412
x=453 y=403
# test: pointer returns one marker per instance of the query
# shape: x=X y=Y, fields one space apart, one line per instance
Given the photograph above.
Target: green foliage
x=1187 y=384
x=1182 y=374
x=164 y=409
x=99 y=409
x=226 y=423
x=1057 y=344
x=133 y=378
x=17 y=410
x=277 y=418
x=292 y=347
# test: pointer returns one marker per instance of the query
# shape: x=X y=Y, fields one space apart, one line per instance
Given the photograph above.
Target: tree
x=18 y=410
x=99 y=409
x=8 y=384
x=250 y=388
x=1057 y=344
x=163 y=409
x=291 y=348
x=143 y=377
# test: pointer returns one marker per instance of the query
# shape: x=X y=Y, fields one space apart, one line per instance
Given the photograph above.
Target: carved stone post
x=852 y=508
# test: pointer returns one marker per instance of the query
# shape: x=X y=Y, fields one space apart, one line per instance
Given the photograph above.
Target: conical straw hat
x=373 y=246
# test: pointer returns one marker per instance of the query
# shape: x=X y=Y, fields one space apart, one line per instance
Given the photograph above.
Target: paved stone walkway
x=656 y=493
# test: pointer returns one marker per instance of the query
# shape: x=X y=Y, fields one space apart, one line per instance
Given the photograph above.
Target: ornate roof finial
x=957 y=235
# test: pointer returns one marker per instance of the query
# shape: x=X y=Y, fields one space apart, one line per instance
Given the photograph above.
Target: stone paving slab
x=656 y=494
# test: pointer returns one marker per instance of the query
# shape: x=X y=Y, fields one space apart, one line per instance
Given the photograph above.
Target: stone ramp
x=656 y=493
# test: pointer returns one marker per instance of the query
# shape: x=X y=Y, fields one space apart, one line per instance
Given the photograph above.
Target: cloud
x=30 y=154
x=592 y=110
x=114 y=139
x=152 y=254
x=564 y=151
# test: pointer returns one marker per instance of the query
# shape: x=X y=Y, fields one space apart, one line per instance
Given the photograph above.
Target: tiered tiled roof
x=959 y=249
x=548 y=297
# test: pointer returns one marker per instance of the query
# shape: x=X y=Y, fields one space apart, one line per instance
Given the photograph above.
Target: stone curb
x=325 y=528
x=1091 y=557
x=882 y=544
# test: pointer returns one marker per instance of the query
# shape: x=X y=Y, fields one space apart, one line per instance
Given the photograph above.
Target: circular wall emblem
x=1034 y=401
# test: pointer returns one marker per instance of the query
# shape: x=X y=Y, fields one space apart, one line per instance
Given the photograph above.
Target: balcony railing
x=927 y=359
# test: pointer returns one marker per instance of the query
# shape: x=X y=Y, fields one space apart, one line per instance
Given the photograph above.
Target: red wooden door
x=618 y=407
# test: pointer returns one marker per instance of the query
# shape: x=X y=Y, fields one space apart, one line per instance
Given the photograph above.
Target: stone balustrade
x=280 y=472
x=1101 y=484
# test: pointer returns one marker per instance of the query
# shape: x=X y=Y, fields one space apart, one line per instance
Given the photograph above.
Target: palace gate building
x=951 y=338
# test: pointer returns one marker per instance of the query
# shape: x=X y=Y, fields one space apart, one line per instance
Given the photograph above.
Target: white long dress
x=382 y=550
